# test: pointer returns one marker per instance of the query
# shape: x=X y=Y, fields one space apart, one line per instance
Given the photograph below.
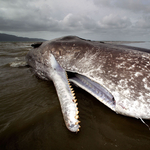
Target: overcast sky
x=90 y=19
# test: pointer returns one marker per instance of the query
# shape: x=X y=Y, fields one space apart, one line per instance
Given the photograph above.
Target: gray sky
x=90 y=19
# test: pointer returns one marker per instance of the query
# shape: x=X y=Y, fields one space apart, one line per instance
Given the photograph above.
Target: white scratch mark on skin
x=120 y=58
x=137 y=74
x=114 y=75
x=146 y=84
x=131 y=67
x=148 y=100
x=123 y=84
x=121 y=65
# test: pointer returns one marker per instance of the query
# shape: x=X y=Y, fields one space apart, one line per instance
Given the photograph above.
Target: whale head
x=117 y=76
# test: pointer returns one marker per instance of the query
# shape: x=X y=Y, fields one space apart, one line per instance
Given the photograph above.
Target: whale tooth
x=77 y=112
x=76 y=123
x=76 y=117
x=75 y=100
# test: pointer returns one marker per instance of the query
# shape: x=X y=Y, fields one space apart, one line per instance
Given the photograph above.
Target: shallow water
x=30 y=114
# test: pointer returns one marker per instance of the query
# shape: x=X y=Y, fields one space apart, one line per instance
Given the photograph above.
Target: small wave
x=18 y=64
x=16 y=58
x=5 y=126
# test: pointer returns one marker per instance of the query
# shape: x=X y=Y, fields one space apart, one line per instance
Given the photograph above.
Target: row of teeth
x=74 y=100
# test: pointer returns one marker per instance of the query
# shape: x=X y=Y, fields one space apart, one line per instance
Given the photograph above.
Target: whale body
x=118 y=76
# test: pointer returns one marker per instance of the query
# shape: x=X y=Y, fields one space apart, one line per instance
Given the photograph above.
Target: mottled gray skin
x=122 y=70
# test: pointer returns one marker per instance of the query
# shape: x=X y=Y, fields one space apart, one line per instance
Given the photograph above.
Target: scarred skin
x=121 y=70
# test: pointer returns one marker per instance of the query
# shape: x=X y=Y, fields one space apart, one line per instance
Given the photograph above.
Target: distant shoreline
x=34 y=41
x=123 y=42
x=12 y=38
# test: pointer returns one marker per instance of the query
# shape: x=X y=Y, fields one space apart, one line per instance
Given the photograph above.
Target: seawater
x=31 y=119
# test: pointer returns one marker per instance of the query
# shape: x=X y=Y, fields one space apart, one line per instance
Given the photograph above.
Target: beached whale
x=118 y=76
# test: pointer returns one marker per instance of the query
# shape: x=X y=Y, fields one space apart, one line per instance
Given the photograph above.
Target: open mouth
x=95 y=89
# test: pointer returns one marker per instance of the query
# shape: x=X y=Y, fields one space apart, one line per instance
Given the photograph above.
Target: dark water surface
x=31 y=119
